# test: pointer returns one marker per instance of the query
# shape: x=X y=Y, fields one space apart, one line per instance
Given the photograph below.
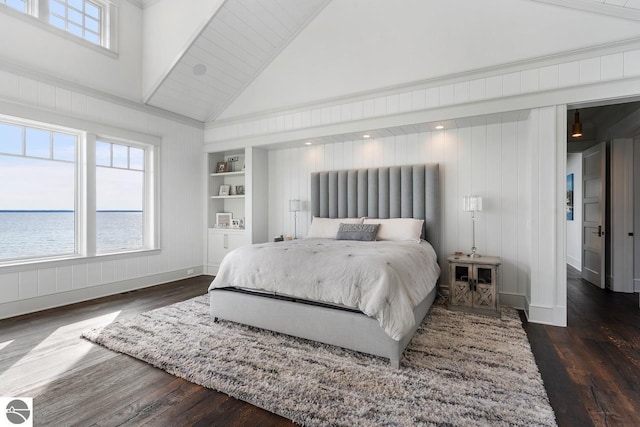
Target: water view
x=47 y=233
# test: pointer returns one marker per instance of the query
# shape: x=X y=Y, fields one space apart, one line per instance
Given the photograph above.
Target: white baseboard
x=574 y=262
x=636 y=285
x=516 y=301
x=17 y=308
x=547 y=315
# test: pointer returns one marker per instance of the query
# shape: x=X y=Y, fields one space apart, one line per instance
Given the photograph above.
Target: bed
x=269 y=297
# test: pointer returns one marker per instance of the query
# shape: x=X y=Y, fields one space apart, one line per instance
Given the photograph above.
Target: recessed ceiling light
x=199 y=69
x=366 y=135
x=439 y=127
x=307 y=143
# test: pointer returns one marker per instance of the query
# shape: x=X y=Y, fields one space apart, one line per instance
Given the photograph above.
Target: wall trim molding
x=137 y=3
x=24 y=71
x=545 y=315
x=500 y=69
x=592 y=92
x=574 y=262
x=45 y=302
x=57 y=118
x=516 y=301
x=628 y=13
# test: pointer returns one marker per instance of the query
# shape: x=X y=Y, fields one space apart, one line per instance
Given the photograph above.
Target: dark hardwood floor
x=591 y=369
x=75 y=382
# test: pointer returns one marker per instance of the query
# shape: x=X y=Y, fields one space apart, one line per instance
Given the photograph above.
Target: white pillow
x=398 y=229
x=327 y=228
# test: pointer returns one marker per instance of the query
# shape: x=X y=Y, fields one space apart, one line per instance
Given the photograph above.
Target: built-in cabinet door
x=221 y=243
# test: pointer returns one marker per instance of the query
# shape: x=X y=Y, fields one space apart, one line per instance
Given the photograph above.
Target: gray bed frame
x=389 y=192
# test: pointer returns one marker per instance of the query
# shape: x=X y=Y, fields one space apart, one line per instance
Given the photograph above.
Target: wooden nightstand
x=473 y=284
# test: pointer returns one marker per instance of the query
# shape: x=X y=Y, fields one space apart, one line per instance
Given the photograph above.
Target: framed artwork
x=222 y=167
x=570 y=197
x=224 y=190
x=239 y=189
x=223 y=219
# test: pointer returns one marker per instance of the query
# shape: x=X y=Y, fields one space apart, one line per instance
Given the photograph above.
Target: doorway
x=603 y=164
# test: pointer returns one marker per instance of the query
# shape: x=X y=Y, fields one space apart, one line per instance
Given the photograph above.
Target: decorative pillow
x=362 y=232
x=398 y=229
x=327 y=228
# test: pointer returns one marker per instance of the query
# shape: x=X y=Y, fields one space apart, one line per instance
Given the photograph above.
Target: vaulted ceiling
x=243 y=37
x=238 y=42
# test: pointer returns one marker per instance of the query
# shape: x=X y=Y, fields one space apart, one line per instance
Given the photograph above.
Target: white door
x=620 y=229
x=594 y=164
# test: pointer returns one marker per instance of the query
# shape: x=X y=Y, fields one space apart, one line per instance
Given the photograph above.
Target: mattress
x=385 y=280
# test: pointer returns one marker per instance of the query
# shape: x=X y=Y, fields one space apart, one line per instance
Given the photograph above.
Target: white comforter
x=385 y=280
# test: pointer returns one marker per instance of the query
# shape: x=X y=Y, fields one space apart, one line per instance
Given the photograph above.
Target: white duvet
x=385 y=280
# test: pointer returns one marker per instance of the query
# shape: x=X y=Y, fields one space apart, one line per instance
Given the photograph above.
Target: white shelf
x=223 y=174
x=227 y=230
x=235 y=196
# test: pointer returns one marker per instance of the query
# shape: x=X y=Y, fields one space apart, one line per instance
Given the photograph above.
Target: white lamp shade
x=295 y=205
x=472 y=203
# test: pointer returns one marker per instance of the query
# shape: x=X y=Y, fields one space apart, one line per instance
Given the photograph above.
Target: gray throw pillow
x=362 y=232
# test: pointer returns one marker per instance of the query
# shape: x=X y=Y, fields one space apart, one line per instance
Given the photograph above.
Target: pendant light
x=576 y=131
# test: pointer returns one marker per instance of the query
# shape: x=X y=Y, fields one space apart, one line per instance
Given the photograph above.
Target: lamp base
x=473 y=253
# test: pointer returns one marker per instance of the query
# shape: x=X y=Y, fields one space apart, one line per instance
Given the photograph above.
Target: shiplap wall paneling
x=485 y=158
x=564 y=74
x=179 y=198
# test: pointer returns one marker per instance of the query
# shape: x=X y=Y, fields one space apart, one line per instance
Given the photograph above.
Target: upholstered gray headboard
x=387 y=192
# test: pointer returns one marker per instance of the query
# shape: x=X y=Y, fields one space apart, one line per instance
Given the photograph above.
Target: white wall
x=30 y=288
x=355 y=46
x=30 y=43
x=574 y=228
x=169 y=27
x=487 y=158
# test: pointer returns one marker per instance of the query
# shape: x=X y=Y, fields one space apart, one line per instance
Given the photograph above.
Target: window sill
x=52 y=262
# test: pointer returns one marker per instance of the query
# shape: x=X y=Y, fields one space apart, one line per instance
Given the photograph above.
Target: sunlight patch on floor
x=60 y=356
x=6 y=343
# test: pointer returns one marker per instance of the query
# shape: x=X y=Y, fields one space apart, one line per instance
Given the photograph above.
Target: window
x=37 y=196
x=81 y=18
x=20 y=5
x=55 y=203
x=89 y=20
x=120 y=185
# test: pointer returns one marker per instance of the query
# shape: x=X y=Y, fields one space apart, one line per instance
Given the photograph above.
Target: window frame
x=78 y=178
x=85 y=191
x=149 y=187
x=38 y=13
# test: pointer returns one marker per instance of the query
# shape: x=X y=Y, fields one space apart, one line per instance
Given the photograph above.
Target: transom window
x=79 y=17
x=89 y=20
x=20 y=5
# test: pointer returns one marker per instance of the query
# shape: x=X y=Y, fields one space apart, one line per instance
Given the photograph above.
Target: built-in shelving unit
x=246 y=175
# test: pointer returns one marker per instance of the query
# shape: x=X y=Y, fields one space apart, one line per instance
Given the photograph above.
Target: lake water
x=45 y=233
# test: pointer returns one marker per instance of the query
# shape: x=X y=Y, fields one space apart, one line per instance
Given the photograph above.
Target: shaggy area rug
x=459 y=369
